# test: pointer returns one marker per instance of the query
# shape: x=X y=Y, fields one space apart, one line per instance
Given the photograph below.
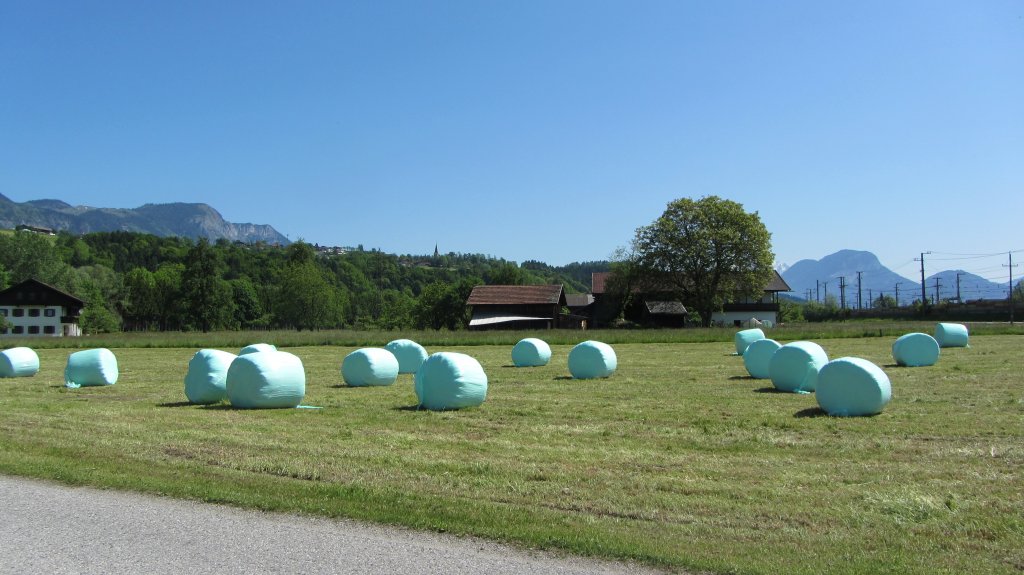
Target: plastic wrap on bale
x=369 y=366
x=206 y=380
x=951 y=335
x=794 y=367
x=410 y=355
x=256 y=348
x=746 y=337
x=531 y=352
x=852 y=387
x=266 y=380
x=18 y=362
x=448 y=380
x=758 y=357
x=915 y=350
x=91 y=367
x=592 y=359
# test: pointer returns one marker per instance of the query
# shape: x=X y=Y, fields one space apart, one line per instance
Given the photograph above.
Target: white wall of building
x=35 y=320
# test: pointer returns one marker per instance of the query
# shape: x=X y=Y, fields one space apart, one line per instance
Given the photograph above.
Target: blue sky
x=544 y=130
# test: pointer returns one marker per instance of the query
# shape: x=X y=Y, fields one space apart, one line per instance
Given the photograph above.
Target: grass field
x=678 y=460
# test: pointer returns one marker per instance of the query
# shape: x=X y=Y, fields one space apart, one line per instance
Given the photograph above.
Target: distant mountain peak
x=192 y=220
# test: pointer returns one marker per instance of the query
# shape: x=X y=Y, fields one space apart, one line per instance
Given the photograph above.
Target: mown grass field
x=678 y=460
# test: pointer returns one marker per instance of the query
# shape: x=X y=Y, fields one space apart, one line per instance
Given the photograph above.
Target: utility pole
x=898 y=294
x=808 y=294
x=924 y=295
x=871 y=299
x=817 y=291
x=842 y=292
x=937 y=284
x=860 y=298
x=958 y=274
x=825 y=284
x=1011 y=266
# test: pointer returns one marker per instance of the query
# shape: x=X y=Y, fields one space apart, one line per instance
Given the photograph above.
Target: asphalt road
x=54 y=529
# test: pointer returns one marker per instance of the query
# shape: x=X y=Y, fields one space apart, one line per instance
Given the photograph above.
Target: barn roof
x=777 y=283
x=579 y=299
x=517 y=295
x=665 y=308
x=597 y=280
x=35 y=292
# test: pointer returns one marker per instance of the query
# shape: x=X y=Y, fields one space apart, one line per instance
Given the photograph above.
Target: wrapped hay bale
x=410 y=354
x=256 y=348
x=915 y=350
x=746 y=337
x=758 y=356
x=369 y=366
x=531 y=352
x=91 y=367
x=794 y=366
x=951 y=335
x=449 y=380
x=206 y=380
x=592 y=359
x=18 y=362
x=266 y=379
x=852 y=387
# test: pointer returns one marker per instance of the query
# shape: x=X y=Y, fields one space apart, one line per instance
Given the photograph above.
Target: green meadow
x=679 y=460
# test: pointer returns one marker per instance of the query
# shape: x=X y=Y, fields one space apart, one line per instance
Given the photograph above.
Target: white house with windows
x=32 y=308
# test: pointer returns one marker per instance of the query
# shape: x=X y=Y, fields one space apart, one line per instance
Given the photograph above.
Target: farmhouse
x=657 y=308
x=516 y=307
x=32 y=308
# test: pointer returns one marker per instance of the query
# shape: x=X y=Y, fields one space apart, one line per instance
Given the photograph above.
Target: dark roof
x=505 y=295
x=578 y=299
x=597 y=280
x=43 y=294
x=777 y=283
x=665 y=308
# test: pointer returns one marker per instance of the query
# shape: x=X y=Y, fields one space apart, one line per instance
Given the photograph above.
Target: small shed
x=516 y=306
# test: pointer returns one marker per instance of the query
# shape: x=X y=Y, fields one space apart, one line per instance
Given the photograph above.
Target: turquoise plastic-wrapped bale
x=852 y=387
x=266 y=379
x=746 y=337
x=206 y=380
x=257 y=347
x=410 y=354
x=449 y=380
x=758 y=357
x=951 y=335
x=794 y=366
x=18 y=362
x=915 y=350
x=592 y=359
x=91 y=367
x=369 y=366
x=531 y=352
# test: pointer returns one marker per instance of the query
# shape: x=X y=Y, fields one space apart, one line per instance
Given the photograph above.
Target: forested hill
x=139 y=281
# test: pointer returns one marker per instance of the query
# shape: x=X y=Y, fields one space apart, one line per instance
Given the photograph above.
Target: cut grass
x=677 y=460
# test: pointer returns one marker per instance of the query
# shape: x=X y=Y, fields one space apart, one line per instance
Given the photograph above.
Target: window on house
x=33 y=329
x=50 y=313
x=3 y=312
x=34 y=312
x=18 y=312
x=49 y=329
x=18 y=329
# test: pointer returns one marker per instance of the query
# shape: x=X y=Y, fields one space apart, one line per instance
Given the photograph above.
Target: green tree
x=442 y=305
x=169 y=308
x=27 y=255
x=506 y=275
x=306 y=299
x=140 y=307
x=206 y=295
x=248 y=307
x=885 y=302
x=706 y=252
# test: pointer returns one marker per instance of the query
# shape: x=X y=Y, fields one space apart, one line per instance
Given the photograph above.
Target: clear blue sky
x=544 y=130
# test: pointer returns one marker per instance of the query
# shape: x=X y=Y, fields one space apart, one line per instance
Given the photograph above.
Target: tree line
x=141 y=282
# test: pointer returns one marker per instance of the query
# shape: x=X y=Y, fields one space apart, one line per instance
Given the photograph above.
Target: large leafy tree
x=306 y=299
x=207 y=296
x=706 y=252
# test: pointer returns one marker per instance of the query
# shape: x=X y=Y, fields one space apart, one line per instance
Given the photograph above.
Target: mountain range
x=819 y=278
x=175 y=219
